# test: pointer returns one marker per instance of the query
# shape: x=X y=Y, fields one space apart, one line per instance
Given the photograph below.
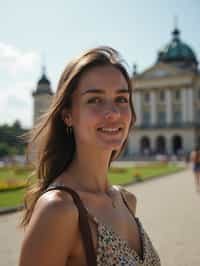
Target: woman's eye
x=94 y=100
x=99 y=100
x=122 y=99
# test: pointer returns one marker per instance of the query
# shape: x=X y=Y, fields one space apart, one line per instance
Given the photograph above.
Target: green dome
x=177 y=51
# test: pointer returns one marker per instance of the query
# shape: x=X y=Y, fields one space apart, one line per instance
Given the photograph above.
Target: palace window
x=198 y=140
x=162 y=96
x=177 y=95
x=162 y=118
x=197 y=116
x=146 y=97
x=146 y=118
x=177 y=117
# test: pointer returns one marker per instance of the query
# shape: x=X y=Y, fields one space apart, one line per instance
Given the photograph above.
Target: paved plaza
x=169 y=209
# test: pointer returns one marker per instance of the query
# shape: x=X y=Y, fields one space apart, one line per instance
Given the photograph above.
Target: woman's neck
x=90 y=172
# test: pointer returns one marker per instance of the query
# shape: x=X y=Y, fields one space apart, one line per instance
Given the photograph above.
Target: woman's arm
x=193 y=156
x=51 y=233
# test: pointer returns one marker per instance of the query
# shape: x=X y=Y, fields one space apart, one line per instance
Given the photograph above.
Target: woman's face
x=101 y=112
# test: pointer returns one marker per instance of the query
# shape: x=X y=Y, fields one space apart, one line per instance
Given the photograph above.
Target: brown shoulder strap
x=83 y=224
x=129 y=200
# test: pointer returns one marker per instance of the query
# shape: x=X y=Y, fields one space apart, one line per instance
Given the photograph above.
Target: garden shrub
x=137 y=176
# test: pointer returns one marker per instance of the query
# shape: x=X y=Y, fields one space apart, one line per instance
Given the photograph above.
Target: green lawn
x=117 y=176
x=141 y=173
x=11 y=198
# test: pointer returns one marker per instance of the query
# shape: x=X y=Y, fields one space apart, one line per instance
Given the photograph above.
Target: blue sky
x=59 y=30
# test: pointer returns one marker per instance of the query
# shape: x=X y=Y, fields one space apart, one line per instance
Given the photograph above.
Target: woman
x=195 y=158
x=73 y=215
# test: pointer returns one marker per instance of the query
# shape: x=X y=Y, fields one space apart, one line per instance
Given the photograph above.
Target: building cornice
x=186 y=125
x=162 y=83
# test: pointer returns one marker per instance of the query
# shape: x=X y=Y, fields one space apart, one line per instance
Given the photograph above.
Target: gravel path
x=169 y=209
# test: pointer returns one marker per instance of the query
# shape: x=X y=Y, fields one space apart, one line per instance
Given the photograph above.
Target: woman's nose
x=112 y=112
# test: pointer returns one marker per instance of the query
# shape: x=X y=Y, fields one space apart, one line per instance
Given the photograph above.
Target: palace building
x=166 y=98
x=167 y=103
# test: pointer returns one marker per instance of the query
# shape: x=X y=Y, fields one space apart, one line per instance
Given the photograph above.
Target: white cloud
x=19 y=73
x=16 y=103
x=16 y=61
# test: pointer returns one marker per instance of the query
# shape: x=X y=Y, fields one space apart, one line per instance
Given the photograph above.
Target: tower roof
x=43 y=85
x=44 y=79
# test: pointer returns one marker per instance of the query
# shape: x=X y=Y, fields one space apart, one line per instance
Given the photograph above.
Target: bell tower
x=42 y=96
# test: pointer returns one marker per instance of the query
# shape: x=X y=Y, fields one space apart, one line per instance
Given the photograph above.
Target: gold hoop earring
x=69 y=130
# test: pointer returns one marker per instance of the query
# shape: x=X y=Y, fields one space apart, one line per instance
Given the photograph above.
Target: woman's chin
x=112 y=145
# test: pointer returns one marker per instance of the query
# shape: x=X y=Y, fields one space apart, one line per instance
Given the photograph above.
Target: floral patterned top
x=112 y=250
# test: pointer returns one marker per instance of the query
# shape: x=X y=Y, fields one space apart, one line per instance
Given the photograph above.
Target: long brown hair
x=51 y=148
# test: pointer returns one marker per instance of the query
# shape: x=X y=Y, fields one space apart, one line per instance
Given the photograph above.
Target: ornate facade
x=167 y=103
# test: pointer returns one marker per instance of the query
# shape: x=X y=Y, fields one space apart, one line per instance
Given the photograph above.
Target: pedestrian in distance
x=195 y=159
x=73 y=215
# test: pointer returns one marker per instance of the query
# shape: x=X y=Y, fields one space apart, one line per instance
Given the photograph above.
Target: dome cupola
x=178 y=53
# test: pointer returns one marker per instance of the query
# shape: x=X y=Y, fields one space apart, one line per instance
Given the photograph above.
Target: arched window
x=177 y=144
x=145 y=146
x=160 y=145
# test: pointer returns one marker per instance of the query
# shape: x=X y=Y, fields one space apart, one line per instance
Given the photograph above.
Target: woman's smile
x=110 y=131
x=113 y=137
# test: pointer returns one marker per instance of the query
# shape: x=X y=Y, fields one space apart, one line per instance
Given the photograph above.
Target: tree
x=10 y=138
x=4 y=150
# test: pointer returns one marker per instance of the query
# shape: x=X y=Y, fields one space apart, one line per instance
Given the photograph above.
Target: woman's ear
x=66 y=116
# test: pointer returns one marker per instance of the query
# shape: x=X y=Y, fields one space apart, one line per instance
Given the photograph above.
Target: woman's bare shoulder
x=55 y=204
x=54 y=224
x=55 y=200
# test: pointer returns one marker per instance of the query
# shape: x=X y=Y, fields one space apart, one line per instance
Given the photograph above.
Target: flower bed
x=117 y=170
x=12 y=184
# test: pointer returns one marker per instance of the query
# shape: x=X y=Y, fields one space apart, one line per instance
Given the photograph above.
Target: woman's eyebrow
x=103 y=91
